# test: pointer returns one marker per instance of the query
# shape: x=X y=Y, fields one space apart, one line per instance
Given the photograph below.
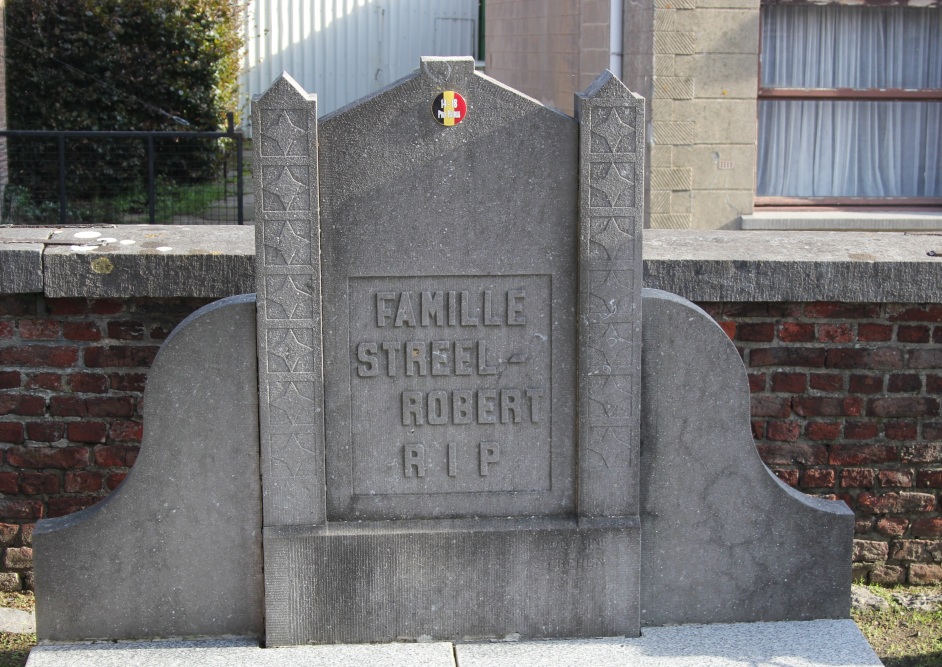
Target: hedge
x=118 y=65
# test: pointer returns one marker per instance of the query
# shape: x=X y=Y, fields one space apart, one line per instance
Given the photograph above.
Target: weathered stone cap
x=128 y=260
x=21 y=259
x=795 y=266
x=218 y=260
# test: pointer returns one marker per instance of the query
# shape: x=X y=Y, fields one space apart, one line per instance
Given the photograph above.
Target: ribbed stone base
x=451 y=580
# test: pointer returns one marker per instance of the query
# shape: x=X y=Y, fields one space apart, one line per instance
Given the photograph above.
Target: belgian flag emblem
x=449 y=108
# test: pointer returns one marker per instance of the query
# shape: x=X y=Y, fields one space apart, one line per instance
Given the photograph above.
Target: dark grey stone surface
x=451 y=580
x=149 y=260
x=724 y=540
x=886 y=267
x=21 y=259
x=21 y=268
x=478 y=222
x=450 y=268
x=795 y=266
x=288 y=283
x=611 y=213
x=176 y=549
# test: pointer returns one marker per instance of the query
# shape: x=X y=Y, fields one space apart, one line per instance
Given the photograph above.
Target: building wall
x=846 y=404
x=548 y=49
x=703 y=112
x=695 y=61
x=343 y=51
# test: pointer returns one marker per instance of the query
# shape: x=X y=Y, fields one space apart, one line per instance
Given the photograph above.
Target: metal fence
x=68 y=177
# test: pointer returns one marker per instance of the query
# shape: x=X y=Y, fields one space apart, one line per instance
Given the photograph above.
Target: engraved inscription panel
x=451 y=384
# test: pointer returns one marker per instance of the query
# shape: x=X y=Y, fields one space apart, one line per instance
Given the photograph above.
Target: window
x=850 y=105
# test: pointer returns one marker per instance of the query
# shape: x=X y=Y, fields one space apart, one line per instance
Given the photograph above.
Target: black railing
x=115 y=176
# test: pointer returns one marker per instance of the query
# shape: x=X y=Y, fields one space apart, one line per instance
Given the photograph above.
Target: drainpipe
x=615 y=31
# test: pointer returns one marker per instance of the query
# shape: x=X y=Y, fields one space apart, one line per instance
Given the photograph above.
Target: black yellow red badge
x=449 y=108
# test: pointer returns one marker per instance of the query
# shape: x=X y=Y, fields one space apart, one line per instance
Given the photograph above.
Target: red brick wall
x=845 y=405
x=72 y=374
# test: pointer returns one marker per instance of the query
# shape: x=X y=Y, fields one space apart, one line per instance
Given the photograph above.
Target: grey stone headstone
x=175 y=551
x=461 y=499
x=455 y=246
x=441 y=437
x=724 y=539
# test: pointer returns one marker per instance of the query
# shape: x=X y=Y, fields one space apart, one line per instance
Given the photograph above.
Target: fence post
x=231 y=131
x=151 y=185
x=239 y=184
x=62 y=201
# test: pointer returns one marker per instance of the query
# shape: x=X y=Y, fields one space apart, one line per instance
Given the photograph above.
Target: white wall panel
x=345 y=49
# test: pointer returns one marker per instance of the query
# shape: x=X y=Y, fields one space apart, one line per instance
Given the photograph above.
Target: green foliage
x=903 y=637
x=14 y=649
x=118 y=65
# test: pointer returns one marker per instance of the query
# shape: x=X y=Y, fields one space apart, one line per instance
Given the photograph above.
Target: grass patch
x=23 y=600
x=14 y=649
x=903 y=637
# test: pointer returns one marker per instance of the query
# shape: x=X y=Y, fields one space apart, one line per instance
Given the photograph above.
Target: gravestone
x=468 y=463
x=446 y=441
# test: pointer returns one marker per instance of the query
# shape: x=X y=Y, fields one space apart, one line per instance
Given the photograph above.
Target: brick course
x=845 y=404
x=72 y=376
x=853 y=412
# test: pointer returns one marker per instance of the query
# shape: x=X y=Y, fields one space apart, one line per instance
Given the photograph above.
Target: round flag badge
x=449 y=108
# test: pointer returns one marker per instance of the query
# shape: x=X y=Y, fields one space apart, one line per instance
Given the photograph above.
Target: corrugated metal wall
x=345 y=49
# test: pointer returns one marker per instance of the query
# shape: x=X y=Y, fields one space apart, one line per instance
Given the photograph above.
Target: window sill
x=849 y=221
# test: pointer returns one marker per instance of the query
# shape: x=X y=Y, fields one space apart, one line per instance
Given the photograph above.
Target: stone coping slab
x=17 y=621
x=861 y=221
x=218 y=261
x=795 y=266
x=790 y=644
x=21 y=258
x=150 y=260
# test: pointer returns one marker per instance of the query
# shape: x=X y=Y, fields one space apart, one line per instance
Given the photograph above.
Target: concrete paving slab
x=17 y=621
x=240 y=653
x=786 y=644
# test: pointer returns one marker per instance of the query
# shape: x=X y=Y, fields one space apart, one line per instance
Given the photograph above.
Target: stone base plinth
x=452 y=580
